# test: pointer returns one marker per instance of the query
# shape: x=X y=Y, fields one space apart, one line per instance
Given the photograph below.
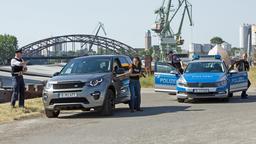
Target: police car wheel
x=225 y=99
x=52 y=113
x=230 y=94
x=181 y=100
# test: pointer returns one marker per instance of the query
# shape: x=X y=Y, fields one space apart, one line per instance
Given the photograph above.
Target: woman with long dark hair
x=135 y=73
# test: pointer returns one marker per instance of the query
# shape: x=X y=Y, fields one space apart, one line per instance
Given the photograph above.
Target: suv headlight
x=182 y=82
x=223 y=81
x=48 y=85
x=96 y=82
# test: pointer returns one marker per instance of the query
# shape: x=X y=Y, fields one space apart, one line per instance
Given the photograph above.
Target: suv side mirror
x=56 y=74
x=120 y=71
x=174 y=72
x=233 y=71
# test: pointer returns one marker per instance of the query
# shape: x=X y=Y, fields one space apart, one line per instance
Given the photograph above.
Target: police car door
x=238 y=78
x=165 y=78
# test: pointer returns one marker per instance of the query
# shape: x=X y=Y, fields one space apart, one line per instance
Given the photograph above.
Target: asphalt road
x=164 y=121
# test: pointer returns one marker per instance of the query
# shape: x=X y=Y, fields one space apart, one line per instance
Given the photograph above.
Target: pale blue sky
x=125 y=20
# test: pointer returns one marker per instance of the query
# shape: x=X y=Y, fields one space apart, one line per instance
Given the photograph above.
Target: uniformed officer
x=243 y=65
x=175 y=61
x=18 y=66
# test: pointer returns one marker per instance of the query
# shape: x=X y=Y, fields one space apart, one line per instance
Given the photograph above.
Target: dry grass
x=147 y=82
x=34 y=107
x=252 y=76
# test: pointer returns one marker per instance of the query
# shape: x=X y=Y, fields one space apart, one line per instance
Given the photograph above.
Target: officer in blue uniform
x=175 y=61
x=243 y=65
x=18 y=66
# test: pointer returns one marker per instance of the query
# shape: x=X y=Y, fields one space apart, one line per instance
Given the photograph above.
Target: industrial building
x=148 y=40
x=248 y=40
x=227 y=46
x=199 y=49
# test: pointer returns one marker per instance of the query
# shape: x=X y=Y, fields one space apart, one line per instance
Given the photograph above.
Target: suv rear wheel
x=52 y=113
x=109 y=104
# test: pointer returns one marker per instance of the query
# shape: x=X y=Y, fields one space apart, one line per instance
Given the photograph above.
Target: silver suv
x=97 y=82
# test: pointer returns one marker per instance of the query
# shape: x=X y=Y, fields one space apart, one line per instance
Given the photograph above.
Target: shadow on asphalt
x=125 y=112
x=233 y=100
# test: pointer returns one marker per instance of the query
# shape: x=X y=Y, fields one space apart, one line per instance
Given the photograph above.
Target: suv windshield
x=205 y=67
x=87 y=65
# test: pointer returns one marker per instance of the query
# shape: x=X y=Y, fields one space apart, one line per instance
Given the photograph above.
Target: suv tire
x=109 y=104
x=181 y=100
x=52 y=113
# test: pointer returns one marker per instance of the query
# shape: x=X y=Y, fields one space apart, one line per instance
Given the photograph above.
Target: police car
x=204 y=77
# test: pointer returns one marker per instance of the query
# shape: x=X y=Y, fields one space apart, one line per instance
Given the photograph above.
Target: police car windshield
x=87 y=65
x=205 y=67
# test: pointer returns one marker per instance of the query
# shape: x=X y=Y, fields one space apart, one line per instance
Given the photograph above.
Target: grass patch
x=147 y=82
x=34 y=107
x=252 y=76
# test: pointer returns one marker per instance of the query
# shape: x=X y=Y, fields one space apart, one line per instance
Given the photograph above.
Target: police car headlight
x=222 y=82
x=96 y=82
x=182 y=82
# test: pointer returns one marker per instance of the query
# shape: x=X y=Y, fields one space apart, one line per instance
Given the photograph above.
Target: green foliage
x=252 y=76
x=233 y=50
x=8 y=45
x=216 y=40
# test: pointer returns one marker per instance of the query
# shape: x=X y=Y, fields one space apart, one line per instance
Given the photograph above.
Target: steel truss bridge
x=35 y=49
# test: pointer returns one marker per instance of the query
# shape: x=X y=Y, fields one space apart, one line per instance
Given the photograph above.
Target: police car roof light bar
x=197 y=57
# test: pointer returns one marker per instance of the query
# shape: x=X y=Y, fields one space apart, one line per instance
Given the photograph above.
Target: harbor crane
x=170 y=40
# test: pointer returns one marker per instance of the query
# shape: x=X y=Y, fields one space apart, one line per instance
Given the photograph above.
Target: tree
x=8 y=45
x=234 y=50
x=216 y=40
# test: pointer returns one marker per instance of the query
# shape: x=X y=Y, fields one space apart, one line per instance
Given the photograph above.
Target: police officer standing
x=244 y=60
x=18 y=66
x=243 y=65
x=175 y=61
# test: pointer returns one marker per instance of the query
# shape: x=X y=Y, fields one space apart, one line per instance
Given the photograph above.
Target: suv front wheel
x=52 y=113
x=109 y=104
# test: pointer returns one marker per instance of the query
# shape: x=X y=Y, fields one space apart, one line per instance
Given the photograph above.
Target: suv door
x=238 y=77
x=165 y=78
x=122 y=81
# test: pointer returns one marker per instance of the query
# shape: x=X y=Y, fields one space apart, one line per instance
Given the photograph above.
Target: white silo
x=244 y=36
x=254 y=35
x=253 y=43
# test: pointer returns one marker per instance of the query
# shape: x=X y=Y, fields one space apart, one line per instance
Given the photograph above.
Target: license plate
x=201 y=90
x=67 y=95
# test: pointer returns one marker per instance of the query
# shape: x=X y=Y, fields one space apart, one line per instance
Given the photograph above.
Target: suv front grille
x=202 y=84
x=69 y=100
x=68 y=85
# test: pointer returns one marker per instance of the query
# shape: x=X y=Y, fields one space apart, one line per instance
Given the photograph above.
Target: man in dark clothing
x=18 y=66
x=175 y=61
x=243 y=65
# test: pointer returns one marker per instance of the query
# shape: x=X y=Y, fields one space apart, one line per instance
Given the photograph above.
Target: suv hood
x=82 y=78
x=203 y=77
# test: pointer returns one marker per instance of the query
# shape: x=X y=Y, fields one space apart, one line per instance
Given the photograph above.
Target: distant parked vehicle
x=97 y=82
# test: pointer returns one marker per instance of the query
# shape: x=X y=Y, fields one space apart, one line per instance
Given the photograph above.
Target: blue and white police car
x=204 y=77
